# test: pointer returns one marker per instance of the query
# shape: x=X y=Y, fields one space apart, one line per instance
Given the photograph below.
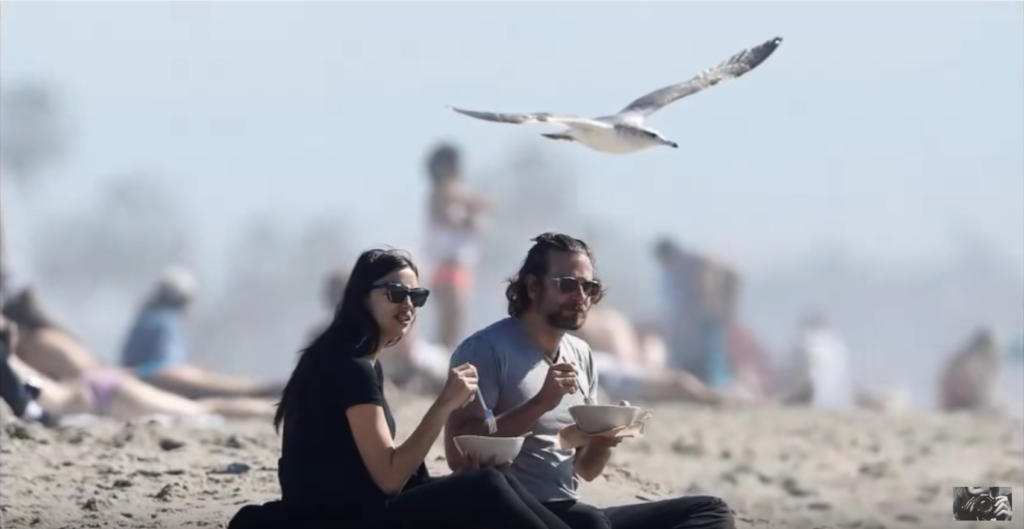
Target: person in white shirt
x=821 y=376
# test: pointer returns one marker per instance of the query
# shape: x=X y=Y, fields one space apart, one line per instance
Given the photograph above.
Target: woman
x=18 y=395
x=340 y=465
x=455 y=224
x=981 y=503
x=156 y=350
x=73 y=381
x=969 y=380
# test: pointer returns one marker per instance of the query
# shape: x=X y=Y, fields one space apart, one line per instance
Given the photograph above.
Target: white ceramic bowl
x=490 y=450
x=598 y=418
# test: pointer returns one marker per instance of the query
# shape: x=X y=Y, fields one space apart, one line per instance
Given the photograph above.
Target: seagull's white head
x=655 y=138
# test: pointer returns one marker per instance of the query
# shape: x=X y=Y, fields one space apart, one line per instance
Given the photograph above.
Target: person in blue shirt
x=156 y=350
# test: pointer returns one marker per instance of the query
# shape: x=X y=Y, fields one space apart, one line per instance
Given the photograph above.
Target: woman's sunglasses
x=397 y=293
x=572 y=285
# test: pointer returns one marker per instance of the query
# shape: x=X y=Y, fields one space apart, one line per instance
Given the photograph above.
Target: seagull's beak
x=673 y=144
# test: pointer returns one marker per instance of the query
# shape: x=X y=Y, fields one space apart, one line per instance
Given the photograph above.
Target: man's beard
x=566 y=320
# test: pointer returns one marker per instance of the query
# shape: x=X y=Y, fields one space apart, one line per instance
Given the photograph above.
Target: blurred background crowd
x=183 y=195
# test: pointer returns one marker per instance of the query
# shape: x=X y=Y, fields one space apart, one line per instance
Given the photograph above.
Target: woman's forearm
x=408 y=456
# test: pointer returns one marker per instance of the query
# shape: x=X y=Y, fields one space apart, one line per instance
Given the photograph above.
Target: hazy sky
x=881 y=127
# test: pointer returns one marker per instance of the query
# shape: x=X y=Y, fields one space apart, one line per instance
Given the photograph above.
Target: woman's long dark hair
x=352 y=332
x=25 y=310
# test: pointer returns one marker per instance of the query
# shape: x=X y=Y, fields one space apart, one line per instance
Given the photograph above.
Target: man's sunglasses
x=572 y=285
x=397 y=293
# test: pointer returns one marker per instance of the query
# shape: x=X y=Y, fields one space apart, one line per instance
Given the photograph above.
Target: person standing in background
x=680 y=271
x=700 y=306
x=454 y=226
x=822 y=368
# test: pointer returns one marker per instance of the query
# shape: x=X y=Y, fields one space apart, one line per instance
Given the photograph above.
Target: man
x=531 y=371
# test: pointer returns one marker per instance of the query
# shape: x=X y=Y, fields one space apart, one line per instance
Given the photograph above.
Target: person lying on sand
x=115 y=394
x=155 y=350
x=531 y=371
x=969 y=381
x=340 y=465
x=18 y=394
x=74 y=381
x=626 y=371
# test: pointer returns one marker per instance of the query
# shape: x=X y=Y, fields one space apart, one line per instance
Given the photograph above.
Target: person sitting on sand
x=820 y=372
x=155 y=350
x=340 y=464
x=72 y=381
x=970 y=379
x=532 y=370
x=627 y=373
x=333 y=290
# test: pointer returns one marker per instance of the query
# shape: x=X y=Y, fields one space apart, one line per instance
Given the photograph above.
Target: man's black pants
x=688 y=512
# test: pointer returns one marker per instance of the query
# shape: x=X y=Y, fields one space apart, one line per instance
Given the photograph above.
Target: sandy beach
x=777 y=468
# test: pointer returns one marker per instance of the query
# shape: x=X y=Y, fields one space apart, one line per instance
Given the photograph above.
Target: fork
x=492 y=423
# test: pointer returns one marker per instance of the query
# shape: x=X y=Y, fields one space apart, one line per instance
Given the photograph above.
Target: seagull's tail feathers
x=564 y=136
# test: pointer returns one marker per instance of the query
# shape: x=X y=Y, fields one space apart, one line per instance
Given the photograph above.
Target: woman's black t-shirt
x=321 y=471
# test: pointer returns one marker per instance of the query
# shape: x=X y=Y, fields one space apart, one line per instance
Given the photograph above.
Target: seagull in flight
x=625 y=132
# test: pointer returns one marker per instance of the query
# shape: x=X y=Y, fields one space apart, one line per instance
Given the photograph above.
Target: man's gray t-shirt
x=512 y=371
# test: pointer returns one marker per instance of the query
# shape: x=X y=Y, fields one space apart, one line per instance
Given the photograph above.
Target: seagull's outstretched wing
x=520 y=119
x=734 y=67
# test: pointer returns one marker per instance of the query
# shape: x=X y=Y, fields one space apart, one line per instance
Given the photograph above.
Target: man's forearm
x=590 y=461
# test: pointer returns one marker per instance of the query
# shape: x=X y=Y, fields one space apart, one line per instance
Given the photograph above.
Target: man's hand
x=560 y=381
x=603 y=442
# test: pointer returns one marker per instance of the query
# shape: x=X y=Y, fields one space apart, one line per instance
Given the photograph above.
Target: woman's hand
x=460 y=388
x=474 y=463
x=1002 y=508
